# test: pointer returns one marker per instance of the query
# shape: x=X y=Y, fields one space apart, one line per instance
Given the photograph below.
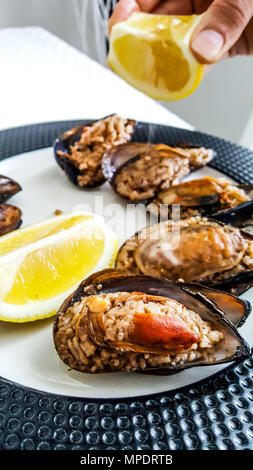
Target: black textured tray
x=214 y=414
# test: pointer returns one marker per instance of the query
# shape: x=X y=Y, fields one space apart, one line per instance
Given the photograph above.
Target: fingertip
x=122 y=11
x=207 y=45
x=110 y=25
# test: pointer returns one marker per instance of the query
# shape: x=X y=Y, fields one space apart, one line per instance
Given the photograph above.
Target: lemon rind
x=123 y=28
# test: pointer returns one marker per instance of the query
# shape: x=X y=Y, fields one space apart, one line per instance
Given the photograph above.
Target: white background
x=223 y=103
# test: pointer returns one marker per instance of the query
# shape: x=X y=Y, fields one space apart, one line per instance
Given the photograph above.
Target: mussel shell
x=195 y=193
x=10 y=218
x=238 y=216
x=117 y=158
x=247 y=187
x=235 y=309
x=244 y=279
x=8 y=188
x=62 y=146
x=206 y=202
x=237 y=284
x=232 y=347
x=199 y=252
x=107 y=281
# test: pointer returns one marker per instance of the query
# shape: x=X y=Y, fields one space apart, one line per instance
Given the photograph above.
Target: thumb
x=220 y=28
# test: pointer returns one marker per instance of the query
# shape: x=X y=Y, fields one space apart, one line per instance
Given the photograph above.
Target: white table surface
x=45 y=79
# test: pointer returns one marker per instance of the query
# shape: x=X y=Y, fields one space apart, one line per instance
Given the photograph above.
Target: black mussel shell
x=208 y=204
x=62 y=146
x=10 y=218
x=235 y=309
x=238 y=216
x=237 y=284
x=200 y=194
x=8 y=188
x=232 y=347
x=247 y=187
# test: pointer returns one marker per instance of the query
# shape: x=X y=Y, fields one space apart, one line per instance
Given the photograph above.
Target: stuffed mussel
x=79 y=151
x=8 y=188
x=205 y=196
x=10 y=218
x=116 y=321
x=137 y=171
x=196 y=249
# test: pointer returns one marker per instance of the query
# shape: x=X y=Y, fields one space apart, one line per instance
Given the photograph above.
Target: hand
x=226 y=29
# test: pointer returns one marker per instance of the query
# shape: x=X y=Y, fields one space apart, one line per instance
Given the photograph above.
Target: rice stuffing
x=86 y=154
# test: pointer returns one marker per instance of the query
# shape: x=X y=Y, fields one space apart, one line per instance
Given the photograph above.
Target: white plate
x=27 y=354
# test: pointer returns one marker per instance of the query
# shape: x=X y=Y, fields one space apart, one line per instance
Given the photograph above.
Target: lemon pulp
x=67 y=263
x=161 y=72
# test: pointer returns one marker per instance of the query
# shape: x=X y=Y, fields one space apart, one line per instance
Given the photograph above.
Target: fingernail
x=208 y=44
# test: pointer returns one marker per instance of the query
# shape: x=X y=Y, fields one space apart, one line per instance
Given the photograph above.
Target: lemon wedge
x=152 y=53
x=40 y=265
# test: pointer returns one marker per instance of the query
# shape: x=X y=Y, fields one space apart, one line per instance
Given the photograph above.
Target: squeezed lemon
x=152 y=53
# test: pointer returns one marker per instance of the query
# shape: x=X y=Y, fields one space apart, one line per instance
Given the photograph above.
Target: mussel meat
x=116 y=321
x=8 y=188
x=193 y=249
x=10 y=218
x=79 y=151
x=205 y=196
x=137 y=171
